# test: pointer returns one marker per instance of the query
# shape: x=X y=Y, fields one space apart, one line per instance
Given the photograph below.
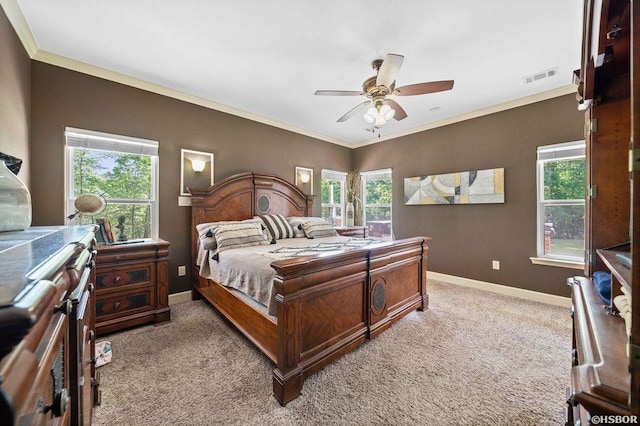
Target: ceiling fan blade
x=389 y=70
x=424 y=88
x=338 y=93
x=400 y=113
x=360 y=108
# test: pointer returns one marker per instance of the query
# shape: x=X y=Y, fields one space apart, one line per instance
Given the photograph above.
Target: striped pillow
x=297 y=221
x=277 y=227
x=318 y=229
x=236 y=235
x=206 y=236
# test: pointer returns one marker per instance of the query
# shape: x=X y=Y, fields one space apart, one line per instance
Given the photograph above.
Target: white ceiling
x=264 y=60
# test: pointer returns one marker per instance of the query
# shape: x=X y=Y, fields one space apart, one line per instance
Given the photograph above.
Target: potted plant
x=353 y=195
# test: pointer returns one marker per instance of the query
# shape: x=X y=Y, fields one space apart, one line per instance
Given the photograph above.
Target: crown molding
x=82 y=67
x=542 y=96
x=19 y=23
x=14 y=13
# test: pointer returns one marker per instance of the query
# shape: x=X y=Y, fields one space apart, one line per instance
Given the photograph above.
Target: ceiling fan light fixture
x=379 y=115
x=370 y=115
x=387 y=112
x=380 y=108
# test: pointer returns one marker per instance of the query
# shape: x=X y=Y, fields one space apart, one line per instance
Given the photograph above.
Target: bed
x=325 y=304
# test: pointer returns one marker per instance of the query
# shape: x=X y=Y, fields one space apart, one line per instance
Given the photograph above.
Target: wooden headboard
x=243 y=196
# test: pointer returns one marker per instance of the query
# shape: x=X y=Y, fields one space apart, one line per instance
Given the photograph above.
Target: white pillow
x=236 y=235
x=318 y=229
x=297 y=221
x=205 y=231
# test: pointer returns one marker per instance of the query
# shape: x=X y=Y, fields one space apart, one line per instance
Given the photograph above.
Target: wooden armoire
x=605 y=375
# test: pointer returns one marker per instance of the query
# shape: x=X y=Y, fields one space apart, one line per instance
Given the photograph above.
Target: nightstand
x=132 y=284
x=352 y=231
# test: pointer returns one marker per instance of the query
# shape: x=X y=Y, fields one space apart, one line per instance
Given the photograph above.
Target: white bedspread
x=249 y=270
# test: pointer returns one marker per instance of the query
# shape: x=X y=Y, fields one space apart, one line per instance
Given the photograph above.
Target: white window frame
x=375 y=175
x=546 y=153
x=341 y=177
x=88 y=139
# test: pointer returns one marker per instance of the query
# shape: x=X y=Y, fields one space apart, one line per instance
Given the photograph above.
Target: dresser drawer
x=114 y=278
x=48 y=401
x=125 y=303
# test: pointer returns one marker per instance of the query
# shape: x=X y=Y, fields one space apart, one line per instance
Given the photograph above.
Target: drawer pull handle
x=118 y=278
x=60 y=403
x=65 y=307
x=92 y=335
x=116 y=305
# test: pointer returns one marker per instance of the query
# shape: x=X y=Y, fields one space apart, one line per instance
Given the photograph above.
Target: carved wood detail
x=323 y=303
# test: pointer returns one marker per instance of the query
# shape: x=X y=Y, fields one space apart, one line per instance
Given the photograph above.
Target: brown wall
x=66 y=98
x=34 y=110
x=15 y=96
x=466 y=238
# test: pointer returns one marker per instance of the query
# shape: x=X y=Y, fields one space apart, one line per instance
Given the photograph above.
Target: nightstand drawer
x=133 y=274
x=126 y=303
x=132 y=285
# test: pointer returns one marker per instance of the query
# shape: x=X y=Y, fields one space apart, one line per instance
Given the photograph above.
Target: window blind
x=330 y=174
x=564 y=150
x=79 y=138
x=377 y=174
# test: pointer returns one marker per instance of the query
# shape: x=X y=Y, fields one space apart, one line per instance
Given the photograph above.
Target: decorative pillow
x=297 y=221
x=318 y=229
x=277 y=227
x=206 y=235
x=236 y=235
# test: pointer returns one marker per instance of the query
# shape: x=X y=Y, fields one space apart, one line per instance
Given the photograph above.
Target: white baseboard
x=175 y=298
x=536 y=296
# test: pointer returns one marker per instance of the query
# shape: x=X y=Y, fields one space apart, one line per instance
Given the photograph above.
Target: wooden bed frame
x=326 y=305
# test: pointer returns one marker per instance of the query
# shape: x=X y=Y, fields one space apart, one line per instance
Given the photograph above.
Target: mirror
x=304 y=179
x=196 y=170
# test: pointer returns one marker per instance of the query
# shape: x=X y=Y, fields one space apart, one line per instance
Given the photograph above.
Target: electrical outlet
x=182 y=271
x=496 y=265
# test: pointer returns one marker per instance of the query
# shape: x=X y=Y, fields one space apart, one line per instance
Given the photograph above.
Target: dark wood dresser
x=47 y=369
x=132 y=283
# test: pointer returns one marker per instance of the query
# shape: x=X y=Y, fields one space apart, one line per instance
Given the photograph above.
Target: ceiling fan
x=379 y=109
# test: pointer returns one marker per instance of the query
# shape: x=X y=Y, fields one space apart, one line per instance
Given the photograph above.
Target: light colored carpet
x=473 y=358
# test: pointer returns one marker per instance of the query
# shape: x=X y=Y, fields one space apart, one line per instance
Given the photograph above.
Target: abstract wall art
x=474 y=187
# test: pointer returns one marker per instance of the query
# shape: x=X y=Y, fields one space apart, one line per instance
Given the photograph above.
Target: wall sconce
x=198 y=165
x=304 y=179
x=196 y=170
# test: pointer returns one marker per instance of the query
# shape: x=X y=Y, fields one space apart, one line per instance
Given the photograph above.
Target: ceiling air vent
x=540 y=75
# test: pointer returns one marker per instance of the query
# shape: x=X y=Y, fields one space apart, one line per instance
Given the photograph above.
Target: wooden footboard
x=328 y=305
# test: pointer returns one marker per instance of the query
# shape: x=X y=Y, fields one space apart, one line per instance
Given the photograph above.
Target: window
x=561 y=207
x=123 y=170
x=332 y=189
x=376 y=202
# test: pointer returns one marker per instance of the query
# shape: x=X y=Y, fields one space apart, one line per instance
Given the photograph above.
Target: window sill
x=557 y=262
